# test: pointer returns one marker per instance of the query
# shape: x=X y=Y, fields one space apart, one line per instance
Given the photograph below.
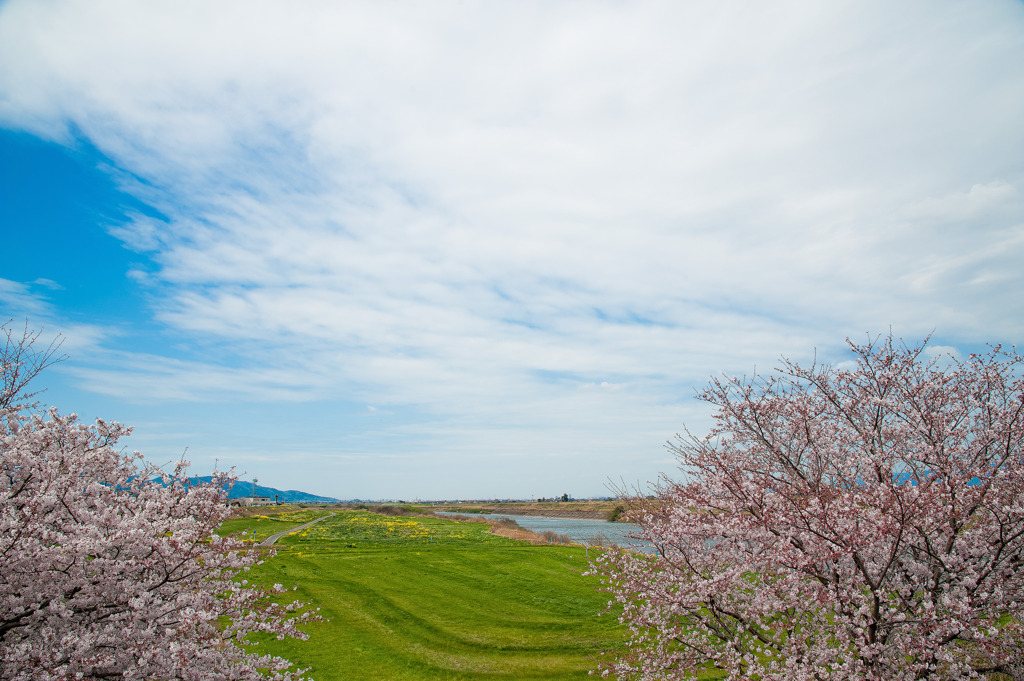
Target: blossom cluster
x=111 y=568
x=865 y=523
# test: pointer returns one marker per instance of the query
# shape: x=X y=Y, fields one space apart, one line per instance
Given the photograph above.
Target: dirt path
x=269 y=541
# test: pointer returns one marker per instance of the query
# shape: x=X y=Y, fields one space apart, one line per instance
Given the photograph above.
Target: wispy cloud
x=540 y=223
x=19 y=297
x=26 y=304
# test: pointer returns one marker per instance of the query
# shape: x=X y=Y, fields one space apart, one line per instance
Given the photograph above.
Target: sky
x=439 y=250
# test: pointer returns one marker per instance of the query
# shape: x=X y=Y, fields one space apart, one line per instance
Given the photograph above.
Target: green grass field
x=427 y=598
x=273 y=519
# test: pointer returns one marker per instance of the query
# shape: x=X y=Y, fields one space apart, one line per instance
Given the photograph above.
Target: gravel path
x=269 y=541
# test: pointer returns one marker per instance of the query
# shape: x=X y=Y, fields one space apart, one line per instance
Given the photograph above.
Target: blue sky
x=459 y=250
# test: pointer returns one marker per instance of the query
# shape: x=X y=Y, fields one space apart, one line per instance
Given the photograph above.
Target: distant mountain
x=291 y=496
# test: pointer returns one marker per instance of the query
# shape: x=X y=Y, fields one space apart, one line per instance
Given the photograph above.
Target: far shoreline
x=576 y=510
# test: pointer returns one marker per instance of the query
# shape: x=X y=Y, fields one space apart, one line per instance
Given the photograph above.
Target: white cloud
x=481 y=210
x=996 y=200
x=19 y=297
x=136 y=377
x=48 y=283
x=24 y=305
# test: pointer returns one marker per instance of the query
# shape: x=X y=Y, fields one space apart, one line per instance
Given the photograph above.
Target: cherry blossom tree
x=852 y=522
x=110 y=568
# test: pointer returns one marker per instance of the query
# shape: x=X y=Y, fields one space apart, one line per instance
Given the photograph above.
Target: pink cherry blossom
x=838 y=523
x=111 y=568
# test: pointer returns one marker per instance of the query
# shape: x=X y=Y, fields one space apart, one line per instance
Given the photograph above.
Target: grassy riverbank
x=259 y=522
x=593 y=509
x=429 y=598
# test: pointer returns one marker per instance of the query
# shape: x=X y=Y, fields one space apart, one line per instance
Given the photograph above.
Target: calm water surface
x=581 y=531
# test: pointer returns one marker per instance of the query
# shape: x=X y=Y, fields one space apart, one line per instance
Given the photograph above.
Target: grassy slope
x=261 y=522
x=426 y=598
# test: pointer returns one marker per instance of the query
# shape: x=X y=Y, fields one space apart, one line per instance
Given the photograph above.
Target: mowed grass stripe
x=467 y=605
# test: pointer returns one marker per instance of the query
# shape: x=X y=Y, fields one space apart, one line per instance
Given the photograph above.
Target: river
x=593 y=532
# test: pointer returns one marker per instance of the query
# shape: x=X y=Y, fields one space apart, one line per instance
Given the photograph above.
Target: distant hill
x=290 y=496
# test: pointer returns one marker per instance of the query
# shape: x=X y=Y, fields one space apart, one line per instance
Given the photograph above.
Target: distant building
x=254 y=501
